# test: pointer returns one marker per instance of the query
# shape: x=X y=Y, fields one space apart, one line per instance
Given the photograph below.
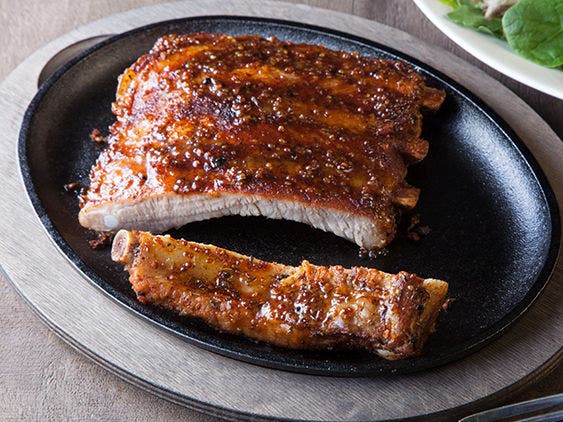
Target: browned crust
x=432 y=98
x=305 y=307
x=211 y=113
x=406 y=197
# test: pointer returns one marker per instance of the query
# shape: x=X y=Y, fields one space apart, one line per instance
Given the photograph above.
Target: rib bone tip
x=122 y=246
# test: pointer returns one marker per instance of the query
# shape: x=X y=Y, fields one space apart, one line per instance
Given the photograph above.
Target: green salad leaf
x=469 y=14
x=451 y=3
x=534 y=29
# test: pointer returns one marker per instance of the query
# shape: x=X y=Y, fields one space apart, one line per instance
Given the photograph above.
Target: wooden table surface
x=41 y=377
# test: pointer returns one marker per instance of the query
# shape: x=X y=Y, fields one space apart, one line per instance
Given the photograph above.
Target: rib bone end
x=122 y=247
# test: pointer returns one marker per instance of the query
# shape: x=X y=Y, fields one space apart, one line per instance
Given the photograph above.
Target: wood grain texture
x=44 y=379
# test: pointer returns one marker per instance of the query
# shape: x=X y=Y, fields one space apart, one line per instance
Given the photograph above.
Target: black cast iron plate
x=493 y=217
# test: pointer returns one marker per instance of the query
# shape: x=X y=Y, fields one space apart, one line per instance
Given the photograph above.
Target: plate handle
x=67 y=54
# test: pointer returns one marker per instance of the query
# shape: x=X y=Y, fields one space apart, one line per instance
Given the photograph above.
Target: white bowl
x=494 y=52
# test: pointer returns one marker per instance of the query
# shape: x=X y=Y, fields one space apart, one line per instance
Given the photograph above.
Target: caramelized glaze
x=212 y=113
x=297 y=307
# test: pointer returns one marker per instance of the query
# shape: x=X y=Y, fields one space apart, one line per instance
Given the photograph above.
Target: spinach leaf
x=469 y=14
x=534 y=29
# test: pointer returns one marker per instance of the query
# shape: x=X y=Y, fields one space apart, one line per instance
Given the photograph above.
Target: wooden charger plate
x=493 y=216
x=116 y=337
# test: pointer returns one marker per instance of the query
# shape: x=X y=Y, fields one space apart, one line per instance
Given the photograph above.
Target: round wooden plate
x=163 y=363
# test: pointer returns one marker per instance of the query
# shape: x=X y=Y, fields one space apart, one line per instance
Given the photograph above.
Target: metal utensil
x=544 y=409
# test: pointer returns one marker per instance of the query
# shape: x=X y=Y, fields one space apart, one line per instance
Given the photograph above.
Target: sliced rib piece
x=211 y=125
x=296 y=307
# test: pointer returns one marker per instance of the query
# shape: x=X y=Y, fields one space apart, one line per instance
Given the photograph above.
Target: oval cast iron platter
x=493 y=217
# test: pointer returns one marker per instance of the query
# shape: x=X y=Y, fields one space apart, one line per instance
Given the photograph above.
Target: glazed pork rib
x=211 y=125
x=305 y=307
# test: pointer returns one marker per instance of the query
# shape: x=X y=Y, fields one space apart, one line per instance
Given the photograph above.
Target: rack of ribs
x=305 y=307
x=211 y=125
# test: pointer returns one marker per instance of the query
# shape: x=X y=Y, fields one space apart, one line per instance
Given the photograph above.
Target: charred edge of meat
x=432 y=98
